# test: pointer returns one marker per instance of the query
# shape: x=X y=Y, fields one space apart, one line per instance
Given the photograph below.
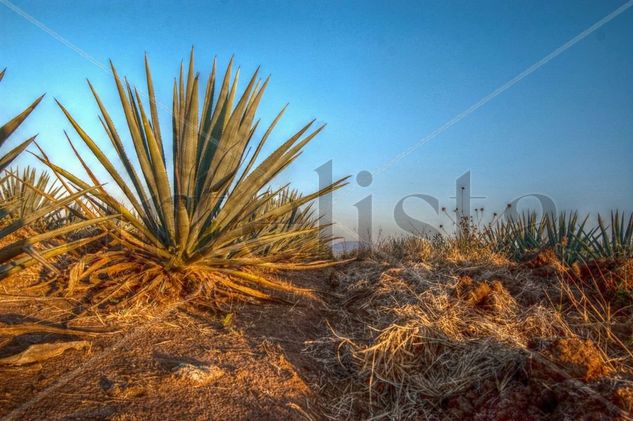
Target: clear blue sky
x=381 y=74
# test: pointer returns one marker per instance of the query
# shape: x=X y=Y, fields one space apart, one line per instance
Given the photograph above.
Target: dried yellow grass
x=420 y=334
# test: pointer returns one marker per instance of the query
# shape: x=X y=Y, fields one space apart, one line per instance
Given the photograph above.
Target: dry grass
x=423 y=333
x=590 y=313
x=417 y=251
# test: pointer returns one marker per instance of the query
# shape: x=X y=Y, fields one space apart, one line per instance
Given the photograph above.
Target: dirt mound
x=610 y=275
x=578 y=358
x=531 y=400
x=484 y=295
x=477 y=343
x=545 y=263
x=516 y=401
x=550 y=385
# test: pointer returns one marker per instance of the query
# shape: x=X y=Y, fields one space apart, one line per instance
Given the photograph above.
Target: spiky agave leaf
x=8 y=128
x=208 y=222
x=11 y=258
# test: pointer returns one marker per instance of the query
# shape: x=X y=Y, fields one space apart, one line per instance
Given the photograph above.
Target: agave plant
x=28 y=192
x=518 y=237
x=18 y=253
x=565 y=234
x=195 y=232
x=616 y=239
x=311 y=245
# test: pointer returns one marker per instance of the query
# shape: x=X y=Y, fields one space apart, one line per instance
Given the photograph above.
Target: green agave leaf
x=8 y=128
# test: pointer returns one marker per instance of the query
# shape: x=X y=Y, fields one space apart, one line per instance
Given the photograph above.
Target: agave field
x=187 y=282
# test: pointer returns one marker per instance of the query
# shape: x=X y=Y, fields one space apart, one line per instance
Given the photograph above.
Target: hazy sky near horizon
x=382 y=75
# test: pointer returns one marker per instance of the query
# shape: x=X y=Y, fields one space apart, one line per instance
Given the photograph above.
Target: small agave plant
x=614 y=238
x=518 y=236
x=214 y=226
x=27 y=192
x=565 y=234
x=568 y=236
x=302 y=247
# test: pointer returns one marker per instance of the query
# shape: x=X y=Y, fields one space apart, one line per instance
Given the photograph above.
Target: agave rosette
x=28 y=191
x=615 y=238
x=204 y=230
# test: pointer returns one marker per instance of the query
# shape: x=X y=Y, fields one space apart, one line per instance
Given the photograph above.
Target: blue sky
x=381 y=74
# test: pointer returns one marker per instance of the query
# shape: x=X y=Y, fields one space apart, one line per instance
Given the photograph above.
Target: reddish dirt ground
x=250 y=363
x=180 y=365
